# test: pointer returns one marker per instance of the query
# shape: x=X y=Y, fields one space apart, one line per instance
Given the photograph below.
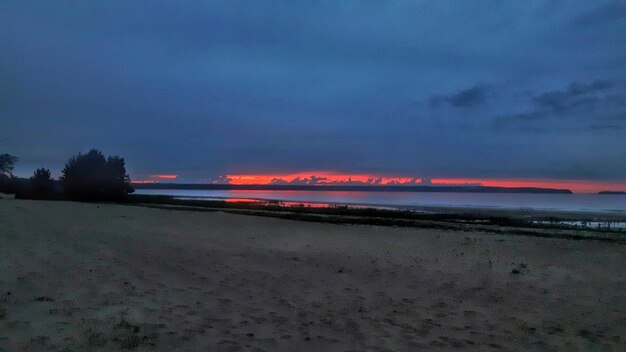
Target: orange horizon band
x=337 y=178
x=164 y=176
x=331 y=178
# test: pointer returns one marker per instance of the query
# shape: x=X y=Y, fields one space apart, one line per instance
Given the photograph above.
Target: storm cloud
x=408 y=88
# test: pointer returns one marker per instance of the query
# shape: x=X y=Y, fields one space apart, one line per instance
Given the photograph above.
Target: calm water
x=561 y=202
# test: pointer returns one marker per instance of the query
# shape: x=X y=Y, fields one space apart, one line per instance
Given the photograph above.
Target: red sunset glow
x=318 y=178
x=334 y=178
x=154 y=178
x=164 y=176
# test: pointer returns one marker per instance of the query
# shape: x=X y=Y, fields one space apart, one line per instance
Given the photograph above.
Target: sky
x=532 y=92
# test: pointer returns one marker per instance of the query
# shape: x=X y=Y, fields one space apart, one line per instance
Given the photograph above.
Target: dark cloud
x=576 y=95
x=476 y=95
x=571 y=109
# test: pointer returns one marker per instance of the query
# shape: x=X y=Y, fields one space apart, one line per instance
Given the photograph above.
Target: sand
x=104 y=277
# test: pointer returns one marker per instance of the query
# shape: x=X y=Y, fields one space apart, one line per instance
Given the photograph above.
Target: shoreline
x=608 y=215
x=564 y=224
x=616 y=214
x=443 y=216
x=573 y=213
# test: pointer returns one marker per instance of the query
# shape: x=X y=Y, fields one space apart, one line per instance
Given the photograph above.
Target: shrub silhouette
x=11 y=185
x=41 y=182
x=91 y=176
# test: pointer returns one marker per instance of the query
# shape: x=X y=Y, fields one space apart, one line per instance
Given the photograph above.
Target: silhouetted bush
x=41 y=182
x=91 y=176
x=12 y=185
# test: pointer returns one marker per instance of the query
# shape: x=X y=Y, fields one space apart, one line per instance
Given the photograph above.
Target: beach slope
x=100 y=277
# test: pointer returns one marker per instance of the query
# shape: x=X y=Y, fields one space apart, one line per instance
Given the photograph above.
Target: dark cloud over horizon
x=416 y=88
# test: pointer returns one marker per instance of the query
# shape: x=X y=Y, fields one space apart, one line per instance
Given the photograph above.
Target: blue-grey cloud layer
x=416 y=88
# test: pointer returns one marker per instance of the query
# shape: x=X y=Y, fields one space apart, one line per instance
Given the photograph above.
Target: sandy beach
x=103 y=277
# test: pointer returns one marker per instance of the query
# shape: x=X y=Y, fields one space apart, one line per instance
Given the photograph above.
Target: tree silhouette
x=91 y=176
x=42 y=182
x=7 y=162
x=8 y=182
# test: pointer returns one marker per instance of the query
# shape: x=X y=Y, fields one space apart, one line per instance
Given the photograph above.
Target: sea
x=597 y=203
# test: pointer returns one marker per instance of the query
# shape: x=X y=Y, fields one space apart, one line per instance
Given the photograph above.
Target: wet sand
x=103 y=277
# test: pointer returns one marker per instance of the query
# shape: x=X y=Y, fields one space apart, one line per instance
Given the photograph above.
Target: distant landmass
x=466 y=189
x=612 y=192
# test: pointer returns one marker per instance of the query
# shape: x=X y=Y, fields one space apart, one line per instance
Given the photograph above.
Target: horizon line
x=333 y=178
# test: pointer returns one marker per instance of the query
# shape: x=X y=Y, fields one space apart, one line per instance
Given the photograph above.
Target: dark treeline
x=85 y=177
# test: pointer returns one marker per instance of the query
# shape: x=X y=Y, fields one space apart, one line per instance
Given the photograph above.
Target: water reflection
x=280 y=203
x=559 y=202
